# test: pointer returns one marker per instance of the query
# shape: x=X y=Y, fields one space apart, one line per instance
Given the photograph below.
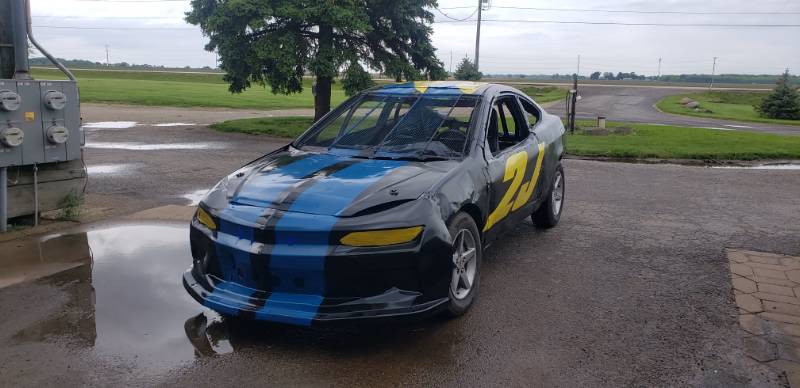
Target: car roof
x=434 y=87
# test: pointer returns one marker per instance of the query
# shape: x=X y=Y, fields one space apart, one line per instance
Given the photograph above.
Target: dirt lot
x=632 y=288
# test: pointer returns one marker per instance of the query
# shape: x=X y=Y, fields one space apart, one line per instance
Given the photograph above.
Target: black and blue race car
x=382 y=209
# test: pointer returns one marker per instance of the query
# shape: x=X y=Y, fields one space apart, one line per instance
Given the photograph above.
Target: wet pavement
x=632 y=288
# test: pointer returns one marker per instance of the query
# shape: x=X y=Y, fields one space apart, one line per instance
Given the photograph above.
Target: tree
x=276 y=42
x=595 y=75
x=356 y=79
x=467 y=71
x=782 y=103
x=608 y=75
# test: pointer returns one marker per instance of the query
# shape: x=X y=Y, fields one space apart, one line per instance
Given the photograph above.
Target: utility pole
x=659 y=68
x=478 y=36
x=107 y=61
x=579 y=65
x=451 y=62
x=713 y=71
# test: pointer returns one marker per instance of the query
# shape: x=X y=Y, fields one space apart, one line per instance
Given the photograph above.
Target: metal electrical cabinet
x=39 y=122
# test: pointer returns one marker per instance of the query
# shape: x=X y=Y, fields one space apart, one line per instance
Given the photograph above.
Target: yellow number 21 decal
x=515 y=169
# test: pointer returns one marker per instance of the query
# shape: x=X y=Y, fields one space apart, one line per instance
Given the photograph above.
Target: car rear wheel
x=466 y=263
x=549 y=213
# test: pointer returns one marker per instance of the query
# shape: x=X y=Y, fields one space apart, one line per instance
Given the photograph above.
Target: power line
x=654 y=12
x=456 y=19
x=134 y=1
x=114 y=28
x=109 y=17
x=628 y=24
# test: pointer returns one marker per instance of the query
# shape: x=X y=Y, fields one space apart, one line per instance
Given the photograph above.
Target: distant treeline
x=84 y=64
x=689 y=78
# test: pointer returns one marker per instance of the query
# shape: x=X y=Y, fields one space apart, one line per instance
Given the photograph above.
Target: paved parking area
x=632 y=288
x=767 y=292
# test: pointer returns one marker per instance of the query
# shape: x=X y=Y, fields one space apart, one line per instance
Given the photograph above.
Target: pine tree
x=467 y=71
x=277 y=42
x=782 y=103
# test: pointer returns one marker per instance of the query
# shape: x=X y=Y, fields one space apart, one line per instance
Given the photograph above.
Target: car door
x=513 y=163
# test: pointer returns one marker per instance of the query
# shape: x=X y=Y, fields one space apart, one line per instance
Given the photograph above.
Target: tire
x=465 y=267
x=549 y=213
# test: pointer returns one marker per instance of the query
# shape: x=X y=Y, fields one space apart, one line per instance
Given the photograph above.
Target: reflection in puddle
x=787 y=166
x=110 y=125
x=155 y=147
x=127 y=301
x=195 y=197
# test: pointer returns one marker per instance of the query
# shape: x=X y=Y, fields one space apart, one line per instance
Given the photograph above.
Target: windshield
x=398 y=125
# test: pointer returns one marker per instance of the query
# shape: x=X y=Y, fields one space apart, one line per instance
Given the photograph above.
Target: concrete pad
x=165 y=213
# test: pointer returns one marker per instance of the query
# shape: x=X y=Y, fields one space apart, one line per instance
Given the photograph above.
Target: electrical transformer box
x=39 y=122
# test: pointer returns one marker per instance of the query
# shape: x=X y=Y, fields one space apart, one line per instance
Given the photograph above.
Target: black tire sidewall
x=544 y=217
x=461 y=221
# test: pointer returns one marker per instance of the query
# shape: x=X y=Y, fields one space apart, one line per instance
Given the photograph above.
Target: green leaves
x=277 y=42
x=467 y=71
x=782 y=103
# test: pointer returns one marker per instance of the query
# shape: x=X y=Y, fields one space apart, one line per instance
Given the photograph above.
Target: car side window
x=506 y=124
x=531 y=112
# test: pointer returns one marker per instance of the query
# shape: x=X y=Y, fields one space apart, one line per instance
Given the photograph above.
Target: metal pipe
x=40 y=48
x=3 y=199
x=35 y=195
x=19 y=22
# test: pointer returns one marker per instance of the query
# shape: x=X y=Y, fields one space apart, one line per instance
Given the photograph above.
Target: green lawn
x=175 y=89
x=655 y=141
x=289 y=127
x=545 y=94
x=733 y=105
x=646 y=141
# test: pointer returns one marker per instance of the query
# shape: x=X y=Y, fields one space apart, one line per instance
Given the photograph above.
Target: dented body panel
x=268 y=242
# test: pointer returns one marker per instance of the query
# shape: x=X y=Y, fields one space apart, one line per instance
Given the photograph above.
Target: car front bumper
x=233 y=299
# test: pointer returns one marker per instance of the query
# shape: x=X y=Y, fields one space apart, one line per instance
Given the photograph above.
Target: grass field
x=733 y=105
x=179 y=89
x=646 y=141
x=668 y=142
x=205 y=90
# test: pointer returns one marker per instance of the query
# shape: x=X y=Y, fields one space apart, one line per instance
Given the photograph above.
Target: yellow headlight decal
x=377 y=238
x=204 y=218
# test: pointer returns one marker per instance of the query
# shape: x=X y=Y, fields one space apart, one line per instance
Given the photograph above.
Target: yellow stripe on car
x=204 y=218
x=377 y=238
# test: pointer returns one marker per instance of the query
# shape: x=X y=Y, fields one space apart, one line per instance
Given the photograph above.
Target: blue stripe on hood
x=237 y=222
x=314 y=210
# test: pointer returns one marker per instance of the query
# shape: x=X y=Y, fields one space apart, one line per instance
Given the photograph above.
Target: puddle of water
x=173 y=124
x=195 y=196
x=108 y=168
x=764 y=167
x=154 y=147
x=125 y=282
x=110 y=125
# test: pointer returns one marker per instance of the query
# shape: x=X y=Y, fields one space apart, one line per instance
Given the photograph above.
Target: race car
x=381 y=210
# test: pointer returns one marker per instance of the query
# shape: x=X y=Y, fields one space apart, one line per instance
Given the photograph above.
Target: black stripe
x=260 y=263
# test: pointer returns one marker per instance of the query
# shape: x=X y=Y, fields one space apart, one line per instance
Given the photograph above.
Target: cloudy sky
x=152 y=31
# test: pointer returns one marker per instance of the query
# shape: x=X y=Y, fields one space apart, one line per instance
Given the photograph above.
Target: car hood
x=325 y=184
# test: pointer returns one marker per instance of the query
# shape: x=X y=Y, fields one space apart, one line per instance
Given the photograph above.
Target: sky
x=153 y=32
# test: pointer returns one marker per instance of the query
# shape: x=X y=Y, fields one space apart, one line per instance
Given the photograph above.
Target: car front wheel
x=549 y=213
x=466 y=263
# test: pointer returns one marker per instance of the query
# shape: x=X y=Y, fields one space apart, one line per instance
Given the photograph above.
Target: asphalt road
x=632 y=288
x=635 y=104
